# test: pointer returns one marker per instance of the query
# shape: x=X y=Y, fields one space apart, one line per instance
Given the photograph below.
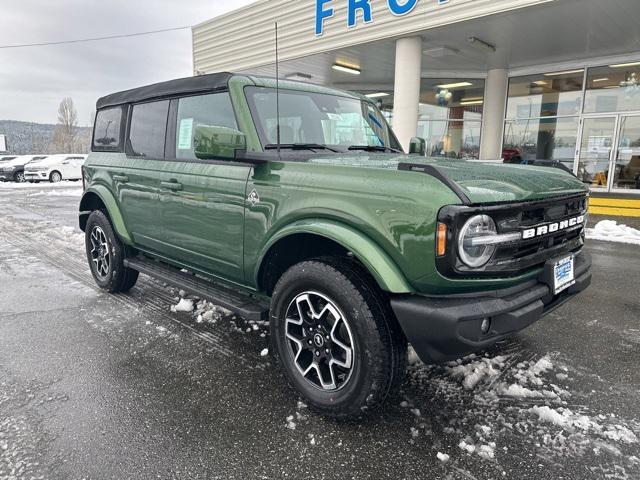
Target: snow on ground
x=40 y=186
x=67 y=192
x=612 y=231
x=487 y=404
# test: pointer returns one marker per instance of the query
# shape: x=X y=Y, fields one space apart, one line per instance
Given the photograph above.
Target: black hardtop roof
x=181 y=86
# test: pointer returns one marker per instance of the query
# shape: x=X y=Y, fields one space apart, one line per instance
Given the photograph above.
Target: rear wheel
x=106 y=254
x=55 y=177
x=19 y=177
x=335 y=337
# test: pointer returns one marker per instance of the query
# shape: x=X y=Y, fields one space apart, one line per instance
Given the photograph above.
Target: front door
x=596 y=151
x=609 y=154
x=202 y=202
x=626 y=162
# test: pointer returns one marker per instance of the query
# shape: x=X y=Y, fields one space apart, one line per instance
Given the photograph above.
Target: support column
x=495 y=100
x=407 y=89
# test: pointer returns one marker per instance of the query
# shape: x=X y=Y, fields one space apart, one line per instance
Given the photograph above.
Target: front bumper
x=449 y=327
x=36 y=175
x=7 y=176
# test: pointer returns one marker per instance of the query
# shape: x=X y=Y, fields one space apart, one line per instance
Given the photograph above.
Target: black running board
x=238 y=302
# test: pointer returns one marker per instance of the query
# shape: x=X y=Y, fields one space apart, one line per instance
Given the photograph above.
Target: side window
x=106 y=133
x=148 y=129
x=211 y=110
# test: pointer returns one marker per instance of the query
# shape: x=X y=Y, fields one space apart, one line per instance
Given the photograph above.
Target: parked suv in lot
x=13 y=170
x=55 y=168
x=316 y=220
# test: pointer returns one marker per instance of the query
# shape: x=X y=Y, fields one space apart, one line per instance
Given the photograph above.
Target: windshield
x=319 y=120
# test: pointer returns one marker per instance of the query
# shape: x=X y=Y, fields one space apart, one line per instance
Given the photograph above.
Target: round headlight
x=473 y=255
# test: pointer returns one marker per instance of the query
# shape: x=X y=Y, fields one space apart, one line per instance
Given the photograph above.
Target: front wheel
x=106 y=254
x=55 y=177
x=19 y=177
x=335 y=337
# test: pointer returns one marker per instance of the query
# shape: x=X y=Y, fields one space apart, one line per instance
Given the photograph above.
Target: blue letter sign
x=400 y=9
x=354 y=6
x=321 y=14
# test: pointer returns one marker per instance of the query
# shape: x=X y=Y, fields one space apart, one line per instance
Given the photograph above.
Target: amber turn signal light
x=441 y=240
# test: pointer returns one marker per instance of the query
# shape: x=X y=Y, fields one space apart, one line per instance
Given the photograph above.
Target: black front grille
x=522 y=255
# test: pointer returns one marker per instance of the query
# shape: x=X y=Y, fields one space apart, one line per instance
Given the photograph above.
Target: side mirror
x=218 y=142
x=418 y=146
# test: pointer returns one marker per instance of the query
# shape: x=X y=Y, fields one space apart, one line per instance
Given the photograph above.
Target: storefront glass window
x=450 y=117
x=545 y=95
x=553 y=139
x=615 y=88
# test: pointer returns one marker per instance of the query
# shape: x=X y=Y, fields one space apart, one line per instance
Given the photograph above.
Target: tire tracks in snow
x=148 y=296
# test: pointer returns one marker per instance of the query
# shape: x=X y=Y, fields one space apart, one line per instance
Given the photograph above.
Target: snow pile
x=612 y=231
x=470 y=374
x=488 y=405
x=443 y=457
x=184 y=305
x=207 y=312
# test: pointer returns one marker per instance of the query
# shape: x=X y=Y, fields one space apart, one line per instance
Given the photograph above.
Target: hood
x=480 y=182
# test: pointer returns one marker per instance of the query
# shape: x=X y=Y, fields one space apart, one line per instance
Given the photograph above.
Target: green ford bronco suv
x=297 y=205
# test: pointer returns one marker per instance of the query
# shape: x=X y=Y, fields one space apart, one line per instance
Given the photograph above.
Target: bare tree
x=64 y=137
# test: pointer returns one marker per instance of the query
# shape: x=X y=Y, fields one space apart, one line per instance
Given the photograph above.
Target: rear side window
x=106 y=133
x=209 y=110
x=148 y=129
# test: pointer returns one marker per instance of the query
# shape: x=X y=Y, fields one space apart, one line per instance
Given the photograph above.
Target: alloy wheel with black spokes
x=335 y=336
x=19 y=177
x=106 y=255
x=100 y=252
x=320 y=341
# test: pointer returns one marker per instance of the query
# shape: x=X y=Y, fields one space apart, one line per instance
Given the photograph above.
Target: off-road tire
x=117 y=278
x=380 y=347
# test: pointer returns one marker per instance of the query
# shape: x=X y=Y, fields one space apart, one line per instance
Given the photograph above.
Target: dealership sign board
x=363 y=9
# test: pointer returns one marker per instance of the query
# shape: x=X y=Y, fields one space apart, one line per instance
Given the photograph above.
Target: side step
x=239 y=303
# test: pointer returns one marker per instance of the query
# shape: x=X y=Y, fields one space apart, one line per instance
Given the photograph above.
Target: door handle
x=120 y=178
x=175 y=186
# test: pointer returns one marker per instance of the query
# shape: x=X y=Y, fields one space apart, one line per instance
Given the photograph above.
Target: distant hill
x=25 y=138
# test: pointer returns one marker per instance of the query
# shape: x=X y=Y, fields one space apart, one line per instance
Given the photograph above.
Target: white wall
x=244 y=39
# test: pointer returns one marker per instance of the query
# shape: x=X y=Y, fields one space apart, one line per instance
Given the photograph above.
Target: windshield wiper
x=300 y=146
x=374 y=148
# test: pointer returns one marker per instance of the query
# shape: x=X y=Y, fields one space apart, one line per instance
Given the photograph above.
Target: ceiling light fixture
x=567 y=72
x=623 y=65
x=472 y=102
x=346 y=69
x=455 y=85
x=377 y=95
x=471 y=99
x=541 y=83
x=601 y=80
x=481 y=44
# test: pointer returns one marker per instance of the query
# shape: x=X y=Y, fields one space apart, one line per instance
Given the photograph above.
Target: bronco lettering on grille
x=552 y=227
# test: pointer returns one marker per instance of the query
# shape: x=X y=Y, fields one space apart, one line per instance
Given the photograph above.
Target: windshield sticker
x=185 y=135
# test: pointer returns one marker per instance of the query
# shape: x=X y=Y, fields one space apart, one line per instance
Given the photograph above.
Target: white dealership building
x=524 y=80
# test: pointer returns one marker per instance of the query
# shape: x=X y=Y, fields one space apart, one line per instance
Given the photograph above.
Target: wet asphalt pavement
x=95 y=386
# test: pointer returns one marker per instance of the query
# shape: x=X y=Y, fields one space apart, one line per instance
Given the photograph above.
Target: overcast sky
x=33 y=81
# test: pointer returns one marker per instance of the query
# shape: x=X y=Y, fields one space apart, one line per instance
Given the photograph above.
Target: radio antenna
x=277 y=94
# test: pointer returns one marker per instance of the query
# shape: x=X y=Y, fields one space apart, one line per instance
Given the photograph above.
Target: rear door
x=71 y=168
x=202 y=202
x=139 y=179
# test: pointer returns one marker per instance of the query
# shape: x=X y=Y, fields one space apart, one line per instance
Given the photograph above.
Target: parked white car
x=55 y=168
x=13 y=170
